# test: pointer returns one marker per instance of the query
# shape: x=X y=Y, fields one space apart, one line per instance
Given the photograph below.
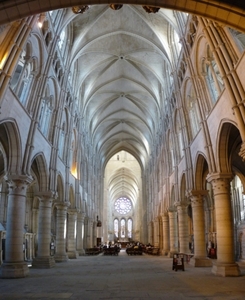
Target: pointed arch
x=11 y=143
x=183 y=188
x=60 y=189
x=172 y=196
x=229 y=143
x=201 y=171
x=72 y=197
x=39 y=168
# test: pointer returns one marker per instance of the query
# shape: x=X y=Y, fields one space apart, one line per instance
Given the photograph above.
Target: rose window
x=123 y=205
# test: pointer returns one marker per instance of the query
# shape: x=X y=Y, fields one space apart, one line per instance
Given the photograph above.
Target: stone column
x=80 y=233
x=200 y=253
x=14 y=265
x=183 y=227
x=156 y=233
x=72 y=233
x=35 y=228
x=43 y=260
x=173 y=232
x=90 y=234
x=150 y=237
x=85 y=240
x=165 y=224
x=225 y=264
x=61 y=219
x=160 y=235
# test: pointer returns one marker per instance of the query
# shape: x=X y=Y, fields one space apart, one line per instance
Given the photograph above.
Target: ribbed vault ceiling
x=120 y=57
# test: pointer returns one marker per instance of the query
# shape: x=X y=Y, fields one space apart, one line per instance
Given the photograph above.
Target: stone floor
x=122 y=277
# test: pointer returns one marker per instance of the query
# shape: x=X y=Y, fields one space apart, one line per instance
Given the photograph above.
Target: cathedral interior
x=122 y=123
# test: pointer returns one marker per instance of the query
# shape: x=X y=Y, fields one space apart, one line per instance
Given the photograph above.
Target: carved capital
x=46 y=196
x=172 y=209
x=196 y=197
x=172 y=212
x=62 y=205
x=181 y=204
x=72 y=211
x=196 y=193
x=81 y=217
x=18 y=183
x=220 y=182
x=241 y=153
x=219 y=176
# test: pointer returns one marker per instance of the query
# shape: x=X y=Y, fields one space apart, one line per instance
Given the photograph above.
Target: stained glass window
x=116 y=227
x=130 y=227
x=123 y=205
x=123 y=223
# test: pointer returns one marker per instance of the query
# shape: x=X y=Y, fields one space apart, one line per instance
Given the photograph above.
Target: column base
x=162 y=252
x=43 y=262
x=61 y=258
x=201 y=262
x=165 y=252
x=72 y=254
x=81 y=252
x=226 y=270
x=14 y=270
x=241 y=262
x=172 y=253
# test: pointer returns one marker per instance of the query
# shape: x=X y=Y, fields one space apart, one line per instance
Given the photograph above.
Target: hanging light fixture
x=116 y=6
x=80 y=9
x=151 y=9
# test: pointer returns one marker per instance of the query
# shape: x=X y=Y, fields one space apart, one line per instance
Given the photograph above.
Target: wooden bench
x=155 y=251
x=111 y=251
x=134 y=251
x=92 y=251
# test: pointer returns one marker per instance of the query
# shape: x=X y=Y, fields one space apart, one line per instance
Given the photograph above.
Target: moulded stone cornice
x=62 y=204
x=18 y=183
x=15 y=178
x=196 y=193
x=71 y=211
x=163 y=215
x=172 y=209
x=184 y=203
x=47 y=194
x=81 y=216
x=214 y=176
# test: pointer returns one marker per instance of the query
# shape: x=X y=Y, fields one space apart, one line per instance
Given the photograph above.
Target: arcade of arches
x=122 y=124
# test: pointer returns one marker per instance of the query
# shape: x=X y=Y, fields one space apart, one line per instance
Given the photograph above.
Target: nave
x=120 y=125
x=122 y=277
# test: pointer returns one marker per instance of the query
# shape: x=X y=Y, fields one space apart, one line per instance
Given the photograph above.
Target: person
x=116 y=249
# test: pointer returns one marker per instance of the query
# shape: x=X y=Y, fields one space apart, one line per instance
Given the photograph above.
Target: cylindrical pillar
x=150 y=235
x=44 y=260
x=156 y=233
x=173 y=232
x=61 y=219
x=200 y=253
x=14 y=265
x=72 y=233
x=225 y=264
x=90 y=226
x=183 y=227
x=80 y=233
x=165 y=224
x=35 y=228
